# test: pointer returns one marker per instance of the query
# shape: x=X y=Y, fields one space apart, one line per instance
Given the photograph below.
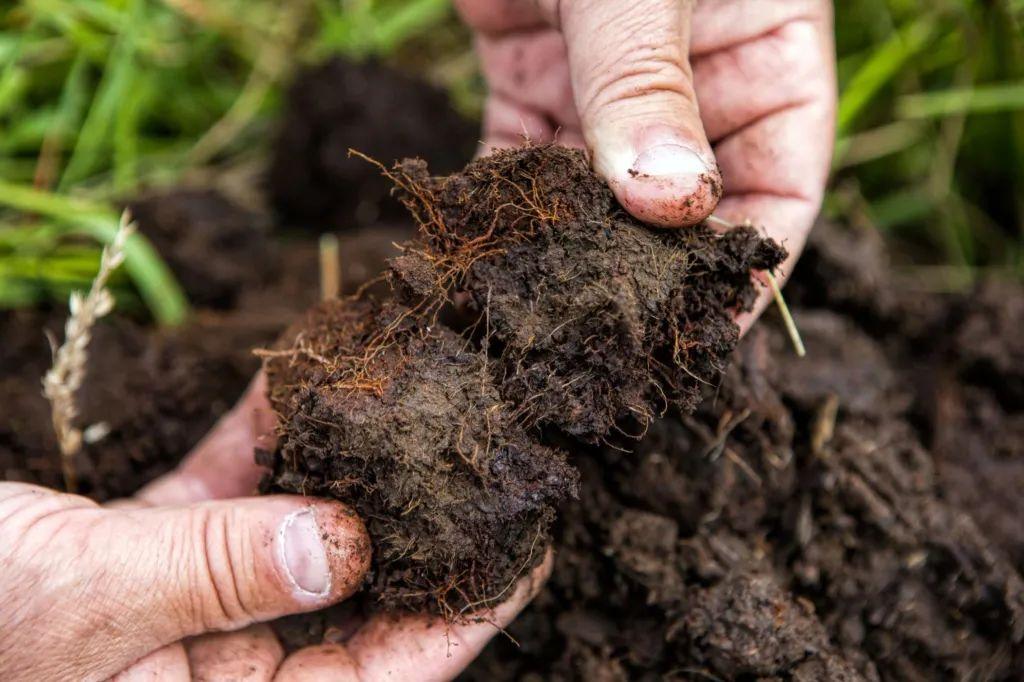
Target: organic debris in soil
x=337 y=105
x=593 y=316
x=796 y=527
x=413 y=435
x=585 y=317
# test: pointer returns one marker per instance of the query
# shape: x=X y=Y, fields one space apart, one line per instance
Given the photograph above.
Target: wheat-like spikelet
x=68 y=371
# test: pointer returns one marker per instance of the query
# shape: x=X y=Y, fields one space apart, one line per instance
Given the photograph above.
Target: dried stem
x=68 y=371
x=330 y=268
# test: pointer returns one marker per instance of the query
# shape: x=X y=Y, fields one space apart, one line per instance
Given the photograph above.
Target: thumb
x=633 y=86
x=106 y=587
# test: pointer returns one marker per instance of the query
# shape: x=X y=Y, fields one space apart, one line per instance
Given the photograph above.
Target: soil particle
x=313 y=182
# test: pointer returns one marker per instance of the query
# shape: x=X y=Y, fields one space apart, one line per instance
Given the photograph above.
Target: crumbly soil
x=816 y=519
x=852 y=515
x=312 y=181
x=432 y=438
x=456 y=496
x=593 y=317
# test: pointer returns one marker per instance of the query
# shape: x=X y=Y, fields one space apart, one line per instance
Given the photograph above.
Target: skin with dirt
x=430 y=436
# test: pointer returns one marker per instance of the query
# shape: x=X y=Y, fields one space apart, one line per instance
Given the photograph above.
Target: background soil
x=247 y=274
x=836 y=517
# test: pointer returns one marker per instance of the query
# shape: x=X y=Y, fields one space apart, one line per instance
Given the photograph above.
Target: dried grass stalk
x=65 y=377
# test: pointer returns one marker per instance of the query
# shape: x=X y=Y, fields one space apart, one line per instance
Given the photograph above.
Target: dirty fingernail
x=305 y=558
x=669 y=160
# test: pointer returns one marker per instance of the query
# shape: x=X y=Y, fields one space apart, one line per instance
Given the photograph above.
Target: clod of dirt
x=403 y=422
x=812 y=535
x=586 y=318
x=593 y=317
x=216 y=249
x=338 y=105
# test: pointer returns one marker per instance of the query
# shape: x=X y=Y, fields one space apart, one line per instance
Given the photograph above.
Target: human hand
x=172 y=586
x=624 y=79
x=88 y=591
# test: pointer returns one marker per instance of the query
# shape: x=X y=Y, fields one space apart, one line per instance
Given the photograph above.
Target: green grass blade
x=881 y=67
x=154 y=280
x=975 y=100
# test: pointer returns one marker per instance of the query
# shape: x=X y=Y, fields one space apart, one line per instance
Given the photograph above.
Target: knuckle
x=218 y=597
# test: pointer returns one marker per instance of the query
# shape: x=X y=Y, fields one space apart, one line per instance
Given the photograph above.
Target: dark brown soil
x=430 y=438
x=215 y=248
x=592 y=316
x=157 y=392
x=456 y=496
x=797 y=527
x=338 y=105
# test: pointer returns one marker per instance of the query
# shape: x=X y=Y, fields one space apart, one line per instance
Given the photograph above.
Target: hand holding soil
x=683 y=106
x=597 y=323
x=173 y=586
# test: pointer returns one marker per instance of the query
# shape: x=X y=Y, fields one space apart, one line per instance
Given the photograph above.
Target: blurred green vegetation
x=930 y=146
x=99 y=98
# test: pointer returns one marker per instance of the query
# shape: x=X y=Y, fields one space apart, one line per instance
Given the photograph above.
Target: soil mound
x=337 y=105
x=216 y=249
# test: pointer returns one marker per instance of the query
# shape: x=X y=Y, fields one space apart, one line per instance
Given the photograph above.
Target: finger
x=324 y=663
x=169 y=664
x=633 y=88
x=786 y=68
x=529 y=95
x=725 y=23
x=421 y=647
x=785 y=219
x=501 y=16
x=405 y=647
x=135 y=581
x=223 y=463
x=249 y=655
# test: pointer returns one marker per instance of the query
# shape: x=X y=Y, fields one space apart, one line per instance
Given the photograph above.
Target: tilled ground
x=851 y=515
